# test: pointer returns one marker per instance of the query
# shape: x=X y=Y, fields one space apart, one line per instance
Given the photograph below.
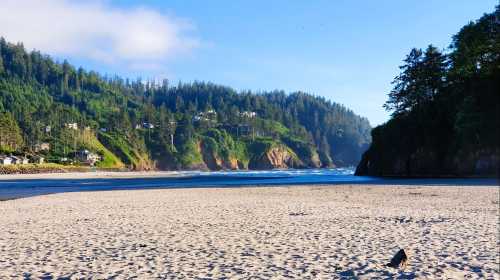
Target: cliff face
x=210 y=154
x=214 y=161
x=427 y=163
x=279 y=156
x=415 y=145
x=213 y=150
x=307 y=153
x=316 y=162
x=481 y=162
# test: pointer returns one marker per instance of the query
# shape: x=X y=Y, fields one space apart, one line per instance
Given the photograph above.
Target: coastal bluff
x=444 y=110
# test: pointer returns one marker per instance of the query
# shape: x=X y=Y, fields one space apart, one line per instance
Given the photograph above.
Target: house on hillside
x=38 y=159
x=148 y=125
x=248 y=114
x=86 y=156
x=207 y=116
x=71 y=125
x=40 y=147
x=5 y=160
x=15 y=160
x=19 y=160
x=198 y=118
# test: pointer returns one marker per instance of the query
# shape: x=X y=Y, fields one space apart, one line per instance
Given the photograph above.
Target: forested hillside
x=446 y=108
x=53 y=109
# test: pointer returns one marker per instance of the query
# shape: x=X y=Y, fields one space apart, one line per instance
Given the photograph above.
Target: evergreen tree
x=10 y=133
x=445 y=108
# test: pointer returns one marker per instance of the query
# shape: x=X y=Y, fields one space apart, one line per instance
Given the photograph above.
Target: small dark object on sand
x=399 y=260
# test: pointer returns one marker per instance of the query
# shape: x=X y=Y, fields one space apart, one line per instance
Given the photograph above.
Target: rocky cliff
x=278 y=156
x=218 y=151
x=429 y=163
x=214 y=150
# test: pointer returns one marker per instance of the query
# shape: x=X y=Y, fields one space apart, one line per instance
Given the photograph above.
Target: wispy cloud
x=95 y=30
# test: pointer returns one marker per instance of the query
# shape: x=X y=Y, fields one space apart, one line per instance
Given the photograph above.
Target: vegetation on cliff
x=445 y=110
x=147 y=125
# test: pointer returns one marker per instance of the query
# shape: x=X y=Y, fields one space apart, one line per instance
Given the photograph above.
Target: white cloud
x=95 y=30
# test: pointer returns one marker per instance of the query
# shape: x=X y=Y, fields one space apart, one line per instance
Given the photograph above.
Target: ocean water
x=270 y=177
x=10 y=189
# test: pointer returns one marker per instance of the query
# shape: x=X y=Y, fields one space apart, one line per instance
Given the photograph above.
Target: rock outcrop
x=427 y=163
x=276 y=157
x=218 y=151
x=213 y=161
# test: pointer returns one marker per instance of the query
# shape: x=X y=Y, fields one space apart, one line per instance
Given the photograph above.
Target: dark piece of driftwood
x=399 y=260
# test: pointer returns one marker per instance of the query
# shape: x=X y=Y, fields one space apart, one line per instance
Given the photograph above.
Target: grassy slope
x=122 y=148
x=109 y=160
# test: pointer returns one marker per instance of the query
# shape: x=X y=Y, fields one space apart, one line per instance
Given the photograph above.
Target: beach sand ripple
x=310 y=232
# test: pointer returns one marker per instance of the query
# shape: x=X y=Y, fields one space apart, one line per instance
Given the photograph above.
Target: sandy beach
x=307 y=232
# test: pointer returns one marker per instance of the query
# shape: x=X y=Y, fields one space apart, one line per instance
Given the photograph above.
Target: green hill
x=145 y=125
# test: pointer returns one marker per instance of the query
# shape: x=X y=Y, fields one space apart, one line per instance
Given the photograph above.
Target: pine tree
x=421 y=78
x=10 y=134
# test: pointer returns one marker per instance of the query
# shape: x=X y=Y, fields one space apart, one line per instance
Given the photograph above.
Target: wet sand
x=309 y=232
x=91 y=175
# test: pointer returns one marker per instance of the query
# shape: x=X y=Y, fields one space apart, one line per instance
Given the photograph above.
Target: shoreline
x=29 y=185
x=308 y=232
x=90 y=174
x=87 y=173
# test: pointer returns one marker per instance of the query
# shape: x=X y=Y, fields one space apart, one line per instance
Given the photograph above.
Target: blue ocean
x=17 y=188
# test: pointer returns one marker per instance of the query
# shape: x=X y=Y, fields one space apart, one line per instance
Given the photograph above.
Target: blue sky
x=347 y=51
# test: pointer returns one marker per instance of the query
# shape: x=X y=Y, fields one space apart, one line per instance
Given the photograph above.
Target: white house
x=88 y=157
x=19 y=160
x=5 y=160
x=209 y=115
x=71 y=125
x=16 y=160
x=198 y=118
x=248 y=114
x=148 y=125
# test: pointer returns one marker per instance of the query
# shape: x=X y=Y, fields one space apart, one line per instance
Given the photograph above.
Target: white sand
x=279 y=233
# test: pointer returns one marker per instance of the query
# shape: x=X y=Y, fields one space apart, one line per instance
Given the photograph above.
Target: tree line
x=445 y=109
x=38 y=92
